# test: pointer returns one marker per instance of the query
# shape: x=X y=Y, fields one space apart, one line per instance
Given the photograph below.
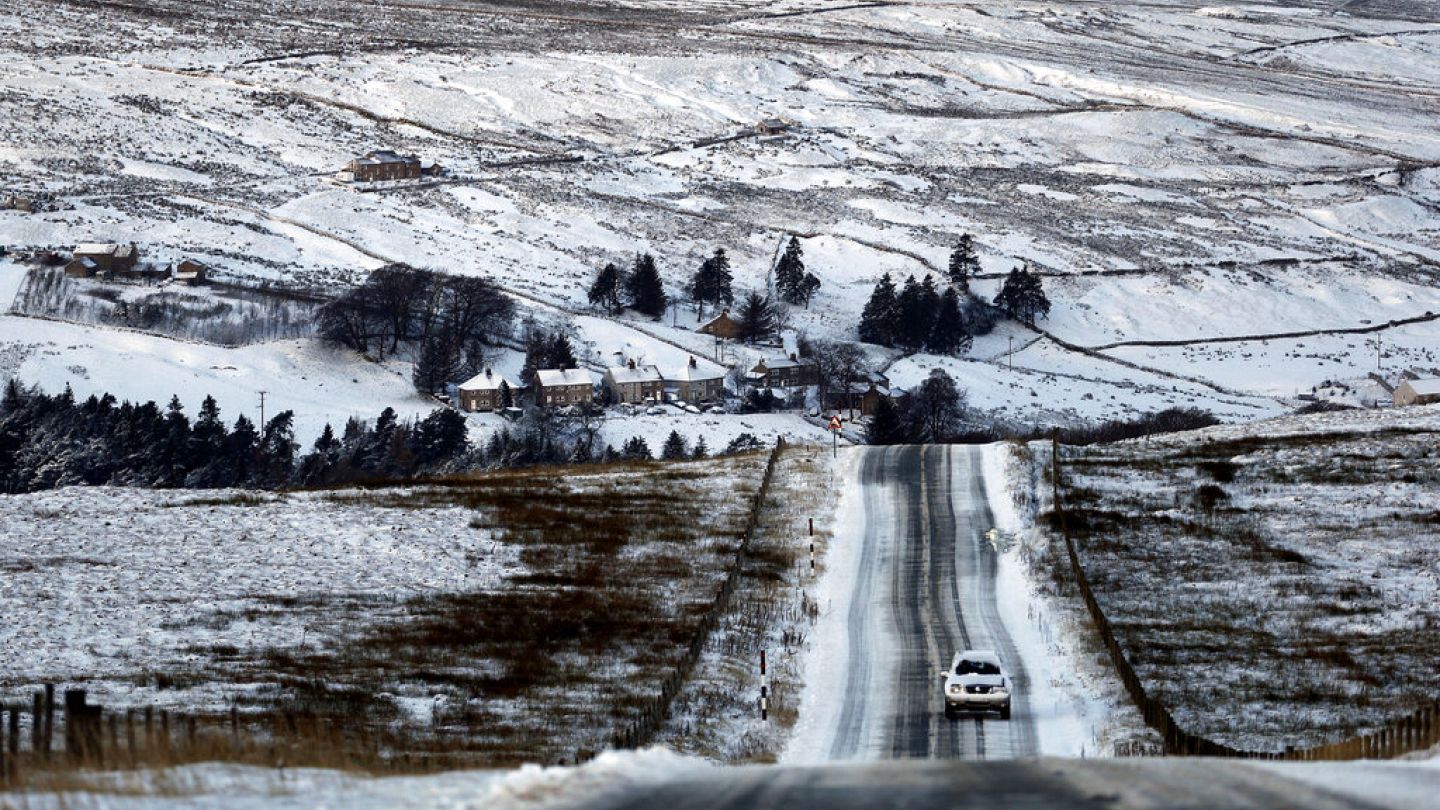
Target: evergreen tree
x=175 y=457
x=606 y=291
x=809 y=285
x=507 y=397
x=743 y=443
x=886 y=425
x=712 y=282
x=790 y=273
x=438 y=438
x=322 y=456
x=1022 y=296
x=561 y=354
x=674 y=447
x=881 y=314
x=635 y=449
x=916 y=305
x=964 y=263
x=949 y=334
x=208 y=434
x=757 y=317
x=275 y=456
x=238 y=454
x=647 y=292
x=701 y=449
x=439 y=363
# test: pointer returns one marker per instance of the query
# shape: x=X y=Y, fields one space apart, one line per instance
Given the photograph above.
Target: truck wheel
x=949 y=712
x=1005 y=712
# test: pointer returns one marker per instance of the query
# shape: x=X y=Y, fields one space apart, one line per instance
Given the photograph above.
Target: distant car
x=975 y=681
x=655 y=410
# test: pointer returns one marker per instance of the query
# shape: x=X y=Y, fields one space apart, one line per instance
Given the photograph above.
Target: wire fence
x=653 y=716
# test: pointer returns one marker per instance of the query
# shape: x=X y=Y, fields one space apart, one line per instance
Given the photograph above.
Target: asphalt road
x=928 y=568
x=925 y=586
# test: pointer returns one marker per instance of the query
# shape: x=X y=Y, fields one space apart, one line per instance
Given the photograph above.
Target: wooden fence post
x=130 y=735
x=15 y=739
x=49 y=732
x=37 y=722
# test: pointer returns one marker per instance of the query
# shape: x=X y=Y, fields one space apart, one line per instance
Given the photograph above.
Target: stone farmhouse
x=384 y=164
x=635 y=384
x=93 y=258
x=691 y=383
x=784 y=372
x=721 y=326
x=485 y=391
x=557 y=387
x=1418 y=392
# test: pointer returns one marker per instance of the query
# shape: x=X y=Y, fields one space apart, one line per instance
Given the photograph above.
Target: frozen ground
x=1246 y=170
x=503 y=614
x=1273 y=583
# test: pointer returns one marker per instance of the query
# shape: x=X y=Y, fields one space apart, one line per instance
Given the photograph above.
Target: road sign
x=835 y=423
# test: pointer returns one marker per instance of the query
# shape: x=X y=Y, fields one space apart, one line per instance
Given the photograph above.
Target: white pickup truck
x=975 y=681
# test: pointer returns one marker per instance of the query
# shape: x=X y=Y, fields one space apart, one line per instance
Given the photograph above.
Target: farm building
x=632 y=383
x=94 y=257
x=1418 y=392
x=383 y=164
x=861 y=397
x=692 y=383
x=772 y=126
x=721 y=326
x=784 y=372
x=487 y=391
x=190 y=272
x=560 y=386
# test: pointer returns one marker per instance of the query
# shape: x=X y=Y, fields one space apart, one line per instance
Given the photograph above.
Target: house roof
x=638 y=374
x=385 y=156
x=89 y=263
x=688 y=373
x=773 y=123
x=487 y=381
x=548 y=377
x=1428 y=386
x=772 y=363
x=97 y=249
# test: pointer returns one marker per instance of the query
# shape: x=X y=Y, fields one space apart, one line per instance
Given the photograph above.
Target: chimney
x=692 y=362
x=487 y=373
x=793 y=357
x=631 y=365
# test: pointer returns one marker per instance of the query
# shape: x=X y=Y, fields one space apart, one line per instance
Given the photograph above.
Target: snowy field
x=516 y=617
x=1275 y=583
x=1246 y=170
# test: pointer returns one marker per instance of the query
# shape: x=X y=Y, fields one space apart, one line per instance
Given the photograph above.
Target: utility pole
x=262 y=411
x=1011 y=353
x=1377 y=352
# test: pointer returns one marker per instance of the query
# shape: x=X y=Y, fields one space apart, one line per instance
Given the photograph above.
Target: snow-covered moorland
x=504 y=618
x=1177 y=173
x=1274 y=584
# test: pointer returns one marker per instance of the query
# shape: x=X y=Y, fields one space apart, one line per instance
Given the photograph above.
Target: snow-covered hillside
x=1185 y=172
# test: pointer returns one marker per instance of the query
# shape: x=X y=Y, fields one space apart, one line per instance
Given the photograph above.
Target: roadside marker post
x=764 y=689
x=835 y=426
